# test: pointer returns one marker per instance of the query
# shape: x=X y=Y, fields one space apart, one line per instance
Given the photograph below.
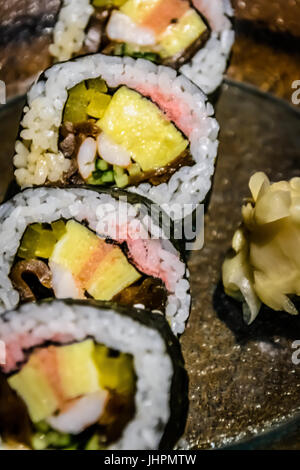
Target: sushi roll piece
x=90 y=376
x=194 y=37
x=110 y=121
x=263 y=266
x=81 y=244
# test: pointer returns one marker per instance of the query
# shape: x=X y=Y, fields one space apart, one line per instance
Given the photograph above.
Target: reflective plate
x=243 y=383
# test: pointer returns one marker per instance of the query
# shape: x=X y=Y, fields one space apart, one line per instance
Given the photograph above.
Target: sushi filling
x=67 y=260
x=168 y=32
x=71 y=396
x=118 y=138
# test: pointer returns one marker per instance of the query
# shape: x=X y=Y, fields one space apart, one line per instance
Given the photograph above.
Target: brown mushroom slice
x=33 y=268
x=151 y=293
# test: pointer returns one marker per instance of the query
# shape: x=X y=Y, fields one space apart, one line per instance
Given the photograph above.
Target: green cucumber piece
x=108 y=177
x=39 y=441
x=101 y=165
x=42 y=427
x=118 y=170
x=122 y=181
x=93 y=443
x=139 y=54
x=95 y=180
x=121 y=177
x=56 y=439
x=134 y=169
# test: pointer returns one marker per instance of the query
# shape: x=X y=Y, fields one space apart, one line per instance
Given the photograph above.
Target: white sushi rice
x=206 y=68
x=69 y=31
x=38 y=158
x=153 y=365
x=103 y=214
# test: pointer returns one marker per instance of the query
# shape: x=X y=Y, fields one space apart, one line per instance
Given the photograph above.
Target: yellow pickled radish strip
x=113 y=275
x=98 y=105
x=32 y=386
x=29 y=243
x=116 y=373
x=46 y=245
x=97 y=84
x=140 y=127
x=39 y=242
x=78 y=101
x=86 y=100
x=58 y=228
x=107 y=3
